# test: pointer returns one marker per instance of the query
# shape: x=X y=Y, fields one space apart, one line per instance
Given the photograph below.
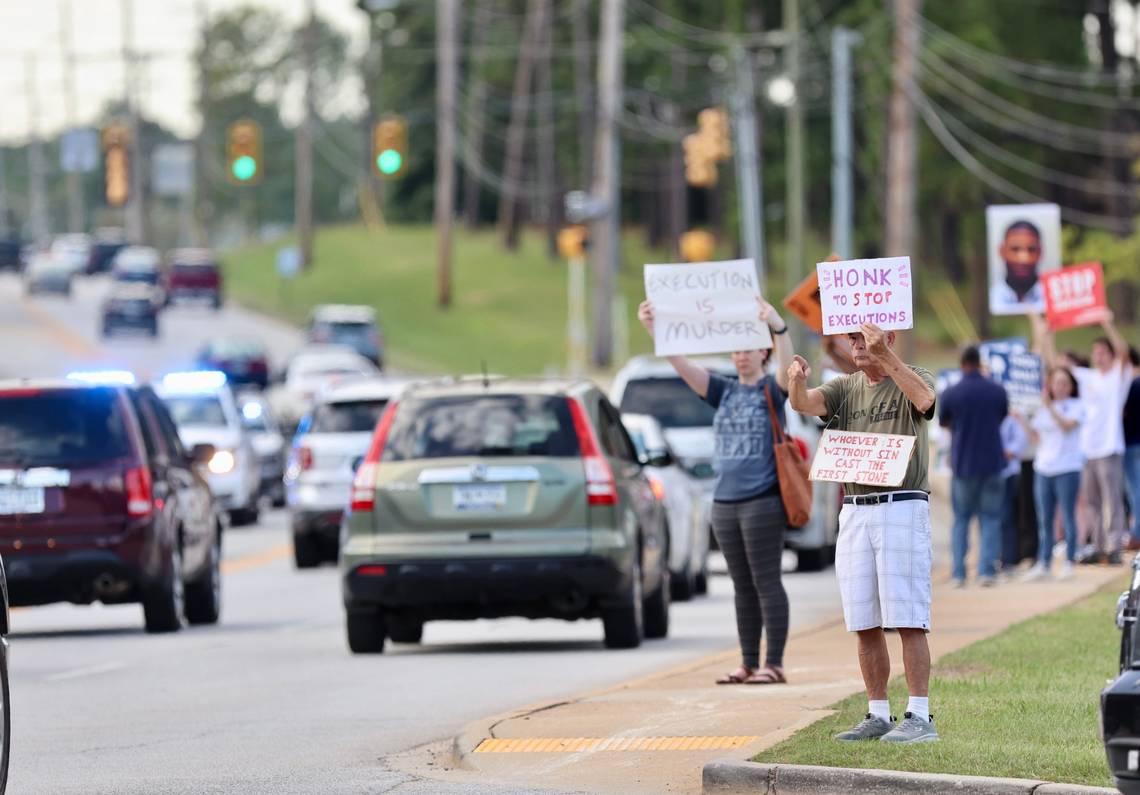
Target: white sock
x=880 y=709
x=919 y=706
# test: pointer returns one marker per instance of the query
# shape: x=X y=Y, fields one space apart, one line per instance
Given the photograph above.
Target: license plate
x=15 y=500
x=478 y=498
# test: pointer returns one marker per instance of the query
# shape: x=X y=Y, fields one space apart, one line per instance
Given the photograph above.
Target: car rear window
x=137 y=276
x=669 y=400
x=482 y=425
x=195 y=410
x=340 y=333
x=62 y=427
x=348 y=417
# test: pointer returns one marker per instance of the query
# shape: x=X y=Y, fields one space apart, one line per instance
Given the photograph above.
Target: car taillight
x=305 y=458
x=601 y=488
x=364 y=482
x=139 y=496
x=657 y=487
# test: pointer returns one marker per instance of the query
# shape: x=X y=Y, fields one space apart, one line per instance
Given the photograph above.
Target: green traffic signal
x=244 y=168
x=389 y=161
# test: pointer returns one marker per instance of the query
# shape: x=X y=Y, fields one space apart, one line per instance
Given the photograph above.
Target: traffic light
x=697 y=245
x=243 y=152
x=700 y=167
x=116 y=164
x=712 y=123
x=390 y=147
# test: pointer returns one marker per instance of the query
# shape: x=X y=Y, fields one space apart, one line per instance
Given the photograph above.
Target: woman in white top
x=1056 y=429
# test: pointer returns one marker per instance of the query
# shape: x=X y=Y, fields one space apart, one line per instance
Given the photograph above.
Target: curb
x=732 y=777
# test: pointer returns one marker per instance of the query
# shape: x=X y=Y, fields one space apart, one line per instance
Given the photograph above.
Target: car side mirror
x=202 y=453
x=356 y=462
x=659 y=458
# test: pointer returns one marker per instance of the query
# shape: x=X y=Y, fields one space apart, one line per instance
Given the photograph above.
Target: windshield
x=234 y=349
x=348 y=417
x=63 y=427
x=196 y=410
x=352 y=334
x=137 y=277
x=493 y=425
x=669 y=400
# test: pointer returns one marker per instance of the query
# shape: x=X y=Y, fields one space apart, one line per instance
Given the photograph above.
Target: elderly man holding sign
x=748 y=515
x=876 y=443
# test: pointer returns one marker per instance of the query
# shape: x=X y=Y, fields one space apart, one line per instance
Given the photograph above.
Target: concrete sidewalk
x=655 y=734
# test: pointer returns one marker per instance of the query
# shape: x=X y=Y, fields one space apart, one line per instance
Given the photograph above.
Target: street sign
x=582 y=207
x=172 y=170
x=79 y=150
x=288 y=262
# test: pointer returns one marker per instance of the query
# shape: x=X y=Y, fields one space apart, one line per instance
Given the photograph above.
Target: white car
x=329 y=444
x=268 y=444
x=310 y=372
x=72 y=250
x=47 y=273
x=681 y=491
x=646 y=385
x=205 y=411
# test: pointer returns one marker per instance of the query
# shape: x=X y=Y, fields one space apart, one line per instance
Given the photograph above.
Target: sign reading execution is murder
x=705 y=307
x=858 y=291
x=873 y=459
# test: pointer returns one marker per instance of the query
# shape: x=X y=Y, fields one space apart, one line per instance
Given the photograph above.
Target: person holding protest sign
x=883 y=558
x=748 y=515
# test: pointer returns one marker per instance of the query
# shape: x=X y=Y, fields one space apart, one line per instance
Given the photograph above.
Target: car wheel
x=404 y=630
x=5 y=721
x=624 y=623
x=204 y=597
x=164 y=608
x=813 y=559
x=247 y=515
x=306 y=551
x=217 y=303
x=701 y=583
x=656 y=609
x=366 y=631
x=682 y=584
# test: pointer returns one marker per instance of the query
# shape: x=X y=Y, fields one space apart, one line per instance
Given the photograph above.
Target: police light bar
x=194 y=381
x=122 y=377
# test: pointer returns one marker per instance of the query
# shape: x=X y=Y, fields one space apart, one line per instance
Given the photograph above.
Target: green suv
x=490 y=497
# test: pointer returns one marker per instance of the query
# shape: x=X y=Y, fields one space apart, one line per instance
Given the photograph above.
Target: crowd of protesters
x=1061 y=481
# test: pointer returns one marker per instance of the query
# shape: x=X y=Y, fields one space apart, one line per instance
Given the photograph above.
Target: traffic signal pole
x=447 y=78
x=135 y=215
x=842 y=162
x=37 y=192
x=748 y=162
x=303 y=178
x=75 y=210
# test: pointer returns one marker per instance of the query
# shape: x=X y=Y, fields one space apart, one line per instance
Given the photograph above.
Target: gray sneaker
x=913 y=729
x=871 y=727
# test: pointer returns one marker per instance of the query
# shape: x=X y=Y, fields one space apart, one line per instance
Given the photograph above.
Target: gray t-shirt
x=743 y=461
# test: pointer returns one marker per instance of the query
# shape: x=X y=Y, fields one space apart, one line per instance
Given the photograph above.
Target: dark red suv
x=99 y=501
x=193 y=273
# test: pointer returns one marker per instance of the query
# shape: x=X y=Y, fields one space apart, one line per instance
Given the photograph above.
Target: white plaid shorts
x=882 y=560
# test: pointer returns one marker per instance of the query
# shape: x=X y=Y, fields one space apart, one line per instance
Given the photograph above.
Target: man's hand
x=798 y=371
x=876 y=340
x=645 y=315
x=769 y=316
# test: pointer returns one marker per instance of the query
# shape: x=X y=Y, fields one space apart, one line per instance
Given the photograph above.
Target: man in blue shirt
x=973 y=410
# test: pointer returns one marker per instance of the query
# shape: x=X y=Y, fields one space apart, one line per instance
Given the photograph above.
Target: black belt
x=879 y=499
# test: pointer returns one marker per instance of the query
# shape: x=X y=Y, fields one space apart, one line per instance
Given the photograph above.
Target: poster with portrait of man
x=1023 y=241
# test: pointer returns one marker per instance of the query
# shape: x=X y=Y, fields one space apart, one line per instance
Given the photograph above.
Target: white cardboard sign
x=705 y=307
x=871 y=459
x=857 y=291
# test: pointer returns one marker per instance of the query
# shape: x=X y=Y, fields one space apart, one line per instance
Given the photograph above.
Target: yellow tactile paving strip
x=565 y=745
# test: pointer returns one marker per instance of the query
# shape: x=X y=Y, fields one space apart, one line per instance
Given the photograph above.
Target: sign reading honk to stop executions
x=858 y=291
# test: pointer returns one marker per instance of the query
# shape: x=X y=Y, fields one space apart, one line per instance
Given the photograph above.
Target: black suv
x=99 y=501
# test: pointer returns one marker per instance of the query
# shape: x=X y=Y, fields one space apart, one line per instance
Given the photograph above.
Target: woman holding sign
x=748 y=516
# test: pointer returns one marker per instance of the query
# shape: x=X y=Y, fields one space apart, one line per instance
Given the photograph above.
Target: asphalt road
x=270 y=700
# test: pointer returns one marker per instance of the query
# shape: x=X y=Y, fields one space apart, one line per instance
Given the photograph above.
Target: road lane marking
x=73 y=342
x=254 y=561
x=90 y=670
x=569 y=745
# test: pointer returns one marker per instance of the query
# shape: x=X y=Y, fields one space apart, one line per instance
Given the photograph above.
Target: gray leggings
x=751 y=536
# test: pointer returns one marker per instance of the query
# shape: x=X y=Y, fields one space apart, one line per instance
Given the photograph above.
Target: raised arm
x=1043 y=342
x=691 y=373
x=781 y=345
x=1119 y=346
x=917 y=391
x=804 y=400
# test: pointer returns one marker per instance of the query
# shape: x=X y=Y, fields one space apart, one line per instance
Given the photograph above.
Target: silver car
x=329 y=444
x=680 y=487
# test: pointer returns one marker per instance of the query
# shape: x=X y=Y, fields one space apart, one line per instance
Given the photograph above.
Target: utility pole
x=794 y=125
x=447 y=78
x=135 y=212
x=842 y=155
x=75 y=211
x=748 y=163
x=203 y=153
x=606 y=230
x=475 y=116
x=4 y=228
x=37 y=192
x=901 y=142
x=583 y=88
x=303 y=153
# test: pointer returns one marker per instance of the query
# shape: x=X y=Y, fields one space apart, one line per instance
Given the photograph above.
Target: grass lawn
x=1022 y=704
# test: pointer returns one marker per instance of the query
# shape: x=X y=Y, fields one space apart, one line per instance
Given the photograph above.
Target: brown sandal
x=768 y=675
x=737 y=677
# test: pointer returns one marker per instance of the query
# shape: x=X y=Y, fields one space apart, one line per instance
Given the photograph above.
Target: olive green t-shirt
x=854 y=405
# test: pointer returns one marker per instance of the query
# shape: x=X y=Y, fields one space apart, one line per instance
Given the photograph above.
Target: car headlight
x=221 y=462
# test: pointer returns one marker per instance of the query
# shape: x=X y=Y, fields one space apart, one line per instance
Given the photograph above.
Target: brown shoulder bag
x=791 y=470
